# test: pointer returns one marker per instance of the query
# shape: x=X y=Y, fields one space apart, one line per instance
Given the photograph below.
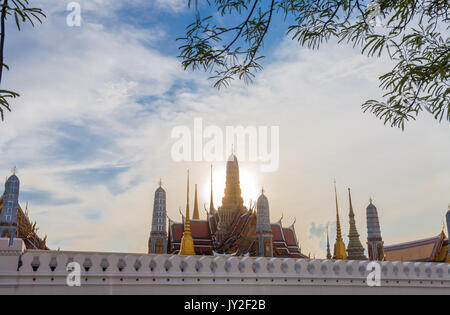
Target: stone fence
x=45 y=272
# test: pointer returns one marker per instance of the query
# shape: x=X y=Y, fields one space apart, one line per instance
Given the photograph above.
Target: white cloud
x=173 y=5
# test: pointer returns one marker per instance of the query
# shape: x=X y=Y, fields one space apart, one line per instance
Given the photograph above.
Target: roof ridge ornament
x=293 y=224
x=280 y=221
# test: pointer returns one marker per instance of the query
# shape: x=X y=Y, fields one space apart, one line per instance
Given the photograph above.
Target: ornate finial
x=160 y=182
x=181 y=212
x=338 y=223
x=196 y=215
x=282 y=216
x=262 y=191
x=340 y=252
x=371 y=200
x=188 y=189
x=293 y=224
x=211 y=201
x=14 y=171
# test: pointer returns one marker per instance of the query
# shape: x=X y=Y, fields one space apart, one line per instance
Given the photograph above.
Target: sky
x=91 y=133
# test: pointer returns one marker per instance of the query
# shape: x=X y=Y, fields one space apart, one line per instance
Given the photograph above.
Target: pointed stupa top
x=339 y=246
x=338 y=221
x=187 y=223
x=196 y=215
x=329 y=257
x=448 y=221
x=355 y=249
x=373 y=222
x=13 y=177
x=232 y=199
x=187 y=243
x=160 y=189
x=262 y=214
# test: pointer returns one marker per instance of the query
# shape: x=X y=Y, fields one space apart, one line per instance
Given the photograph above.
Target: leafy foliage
x=411 y=32
x=22 y=13
x=4 y=95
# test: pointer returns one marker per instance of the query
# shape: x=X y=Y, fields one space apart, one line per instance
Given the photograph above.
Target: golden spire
x=340 y=251
x=187 y=243
x=196 y=212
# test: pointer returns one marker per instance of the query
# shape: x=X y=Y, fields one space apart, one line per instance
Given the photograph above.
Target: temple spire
x=339 y=247
x=157 y=243
x=374 y=239
x=448 y=221
x=187 y=243
x=329 y=257
x=196 y=215
x=232 y=202
x=355 y=249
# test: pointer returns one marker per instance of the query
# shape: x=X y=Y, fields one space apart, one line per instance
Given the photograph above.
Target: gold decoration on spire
x=340 y=252
x=187 y=243
x=196 y=215
x=211 y=202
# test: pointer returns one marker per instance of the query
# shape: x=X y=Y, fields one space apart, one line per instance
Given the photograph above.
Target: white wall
x=166 y=274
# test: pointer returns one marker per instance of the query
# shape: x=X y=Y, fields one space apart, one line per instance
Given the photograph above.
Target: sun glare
x=249 y=186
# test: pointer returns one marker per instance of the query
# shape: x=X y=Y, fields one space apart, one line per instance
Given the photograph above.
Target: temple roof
x=289 y=236
x=428 y=249
x=241 y=239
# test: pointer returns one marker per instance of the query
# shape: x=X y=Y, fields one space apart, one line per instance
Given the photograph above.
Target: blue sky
x=90 y=134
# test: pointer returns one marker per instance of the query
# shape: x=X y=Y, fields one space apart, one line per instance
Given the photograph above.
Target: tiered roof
x=433 y=249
